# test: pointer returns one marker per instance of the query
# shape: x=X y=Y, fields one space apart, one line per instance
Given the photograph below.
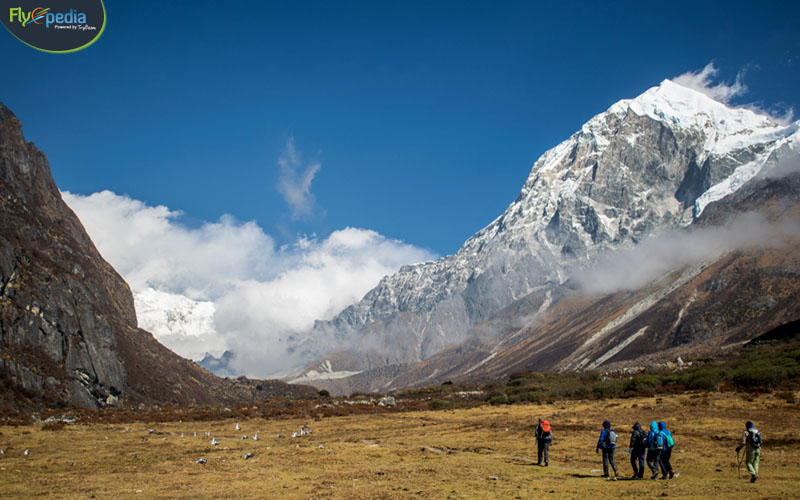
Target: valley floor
x=482 y=453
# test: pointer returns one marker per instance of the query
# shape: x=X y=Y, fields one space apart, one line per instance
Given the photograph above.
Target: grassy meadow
x=485 y=452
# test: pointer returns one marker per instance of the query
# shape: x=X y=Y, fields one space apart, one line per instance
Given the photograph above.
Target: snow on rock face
x=640 y=166
x=726 y=128
x=782 y=147
x=178 y=322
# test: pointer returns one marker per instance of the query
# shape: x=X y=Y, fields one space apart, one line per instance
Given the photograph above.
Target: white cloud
x=294 y=181
x=631 y=269
x=257 y=295
x=702 y=81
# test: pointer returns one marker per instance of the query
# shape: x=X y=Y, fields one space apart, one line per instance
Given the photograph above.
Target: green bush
x=702 y=380
x=644 y=383
x=609 y=388
x=759 y=375
x=436 y=403
x=498 y=399
x=324 y=394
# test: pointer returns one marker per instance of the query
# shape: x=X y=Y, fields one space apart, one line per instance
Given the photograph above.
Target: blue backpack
x=659 y=440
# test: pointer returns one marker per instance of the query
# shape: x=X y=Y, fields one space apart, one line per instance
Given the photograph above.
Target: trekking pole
x=738 y=464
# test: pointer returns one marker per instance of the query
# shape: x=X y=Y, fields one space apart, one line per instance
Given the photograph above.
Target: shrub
x=608 y=388
x=498 y=399
x=644 y=383
x=324 y=394
x=703 y=380
x=759 y=375
x=436 y=404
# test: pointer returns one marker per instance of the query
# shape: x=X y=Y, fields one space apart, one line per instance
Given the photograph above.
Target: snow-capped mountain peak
x=727 y=128
x=638 y=167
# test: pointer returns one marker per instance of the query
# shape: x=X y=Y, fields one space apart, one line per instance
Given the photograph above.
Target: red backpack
x=545 y=426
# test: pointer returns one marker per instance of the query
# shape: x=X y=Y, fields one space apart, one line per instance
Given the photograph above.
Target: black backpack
x=754 y=438
x=639 y=439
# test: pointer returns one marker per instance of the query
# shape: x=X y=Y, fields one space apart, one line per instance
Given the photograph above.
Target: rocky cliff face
x=705 y=304
x=649 y=163
x=68 y=331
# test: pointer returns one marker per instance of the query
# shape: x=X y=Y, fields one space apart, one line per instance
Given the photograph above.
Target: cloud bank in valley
x=633 y=268
x=231 y=286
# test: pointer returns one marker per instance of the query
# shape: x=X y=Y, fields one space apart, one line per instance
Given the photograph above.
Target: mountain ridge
x=640 y=166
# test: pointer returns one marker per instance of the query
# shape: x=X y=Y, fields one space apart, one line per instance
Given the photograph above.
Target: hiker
x=655 y=441
x=637 y=449
x=666 y=451
x=544 y=437
x=752 y=439
x=608 y=443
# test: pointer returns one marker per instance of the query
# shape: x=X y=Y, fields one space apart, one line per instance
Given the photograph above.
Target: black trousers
x=608 y=458
x=544 y=449
x=654 y=460
x=666 y=467
x=637 y=461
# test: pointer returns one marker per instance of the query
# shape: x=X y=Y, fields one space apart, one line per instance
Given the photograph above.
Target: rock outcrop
x=68 y=330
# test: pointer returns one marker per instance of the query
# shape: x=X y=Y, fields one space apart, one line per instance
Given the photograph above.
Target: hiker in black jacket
x=637 y=448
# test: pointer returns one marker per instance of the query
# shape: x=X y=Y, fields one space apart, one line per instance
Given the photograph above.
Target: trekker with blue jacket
x=655 y=441
x=666 y=451
x=608 y=443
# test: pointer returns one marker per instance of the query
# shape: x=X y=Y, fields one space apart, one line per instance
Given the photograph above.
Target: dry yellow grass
x=482 y=453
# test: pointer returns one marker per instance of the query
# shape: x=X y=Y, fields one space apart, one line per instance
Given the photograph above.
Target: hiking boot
x=614 y=478
x=671 y=474
x=754 y=479
x=654 y=476
x=663 y=477
x=547 y=464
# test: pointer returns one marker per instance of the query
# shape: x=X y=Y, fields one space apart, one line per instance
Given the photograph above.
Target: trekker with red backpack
x=544 y=437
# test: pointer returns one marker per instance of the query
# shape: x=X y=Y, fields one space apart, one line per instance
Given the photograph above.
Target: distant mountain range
x=525 y=292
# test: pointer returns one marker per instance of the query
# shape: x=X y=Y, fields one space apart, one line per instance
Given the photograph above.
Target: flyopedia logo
x=41 y=15
x=72 y=27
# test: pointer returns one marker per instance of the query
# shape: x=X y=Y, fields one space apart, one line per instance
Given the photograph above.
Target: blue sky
x=424 y=117
x=314 y=147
